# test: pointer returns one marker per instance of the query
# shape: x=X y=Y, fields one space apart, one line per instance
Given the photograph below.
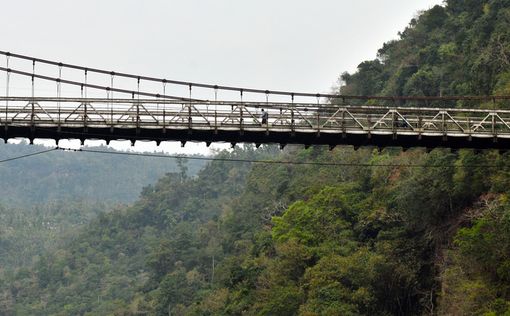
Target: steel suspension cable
x=286 y=162
x=33 y=79
x=256 y=91
x=28 y=155
x=94 y=86
x=7 y=81
x=85 y=86
x=59 y=91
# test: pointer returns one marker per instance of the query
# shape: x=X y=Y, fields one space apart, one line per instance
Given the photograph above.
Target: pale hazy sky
x=280 y=44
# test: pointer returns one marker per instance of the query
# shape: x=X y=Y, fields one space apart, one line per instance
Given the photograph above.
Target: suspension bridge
x=321 y=119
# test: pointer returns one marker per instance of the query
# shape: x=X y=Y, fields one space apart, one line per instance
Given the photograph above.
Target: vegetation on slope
x=284 y=240
x=461 y=48
x=47 y=196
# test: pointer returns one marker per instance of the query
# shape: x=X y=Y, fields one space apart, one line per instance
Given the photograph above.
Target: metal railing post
x=215 y=121
x=164 y=120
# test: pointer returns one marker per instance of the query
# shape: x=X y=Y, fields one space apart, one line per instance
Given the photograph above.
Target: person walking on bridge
x=264 y=116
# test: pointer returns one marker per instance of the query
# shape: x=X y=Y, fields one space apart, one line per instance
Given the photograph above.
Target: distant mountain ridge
x=61 y=175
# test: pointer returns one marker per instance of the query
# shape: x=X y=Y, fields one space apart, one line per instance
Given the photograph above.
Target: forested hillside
x=110 y=264
x=291 y=239
x=461 y=48
x=45 y=197
x=379 y=233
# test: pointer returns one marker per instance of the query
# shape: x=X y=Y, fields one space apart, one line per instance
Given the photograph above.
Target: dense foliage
x=461 y=48
x=290 y=239
x=48 y=196
x=374 y=235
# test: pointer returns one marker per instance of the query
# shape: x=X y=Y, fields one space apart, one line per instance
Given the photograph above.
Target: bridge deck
x=236 y=122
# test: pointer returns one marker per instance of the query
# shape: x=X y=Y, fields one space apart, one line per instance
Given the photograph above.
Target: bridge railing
x=246 y=116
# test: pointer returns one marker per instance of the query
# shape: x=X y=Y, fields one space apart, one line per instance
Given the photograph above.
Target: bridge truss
x=390 y=121
x=235 y=121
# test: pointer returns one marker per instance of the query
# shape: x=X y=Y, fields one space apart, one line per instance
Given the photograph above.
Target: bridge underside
x=256 y=137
